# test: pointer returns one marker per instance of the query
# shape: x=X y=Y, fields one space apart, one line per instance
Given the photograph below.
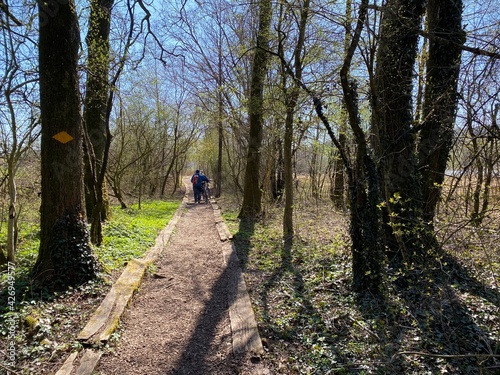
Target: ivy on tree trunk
x=65 y=256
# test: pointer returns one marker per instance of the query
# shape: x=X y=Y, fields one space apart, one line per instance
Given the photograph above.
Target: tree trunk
x=288 y=231
x=65 y=257
x=276 y=169
x=96 y=101
x=337 y=178
x=393 y=141
x=368 y=259
x=12 y=229
x=252 y=195
x=444 y=18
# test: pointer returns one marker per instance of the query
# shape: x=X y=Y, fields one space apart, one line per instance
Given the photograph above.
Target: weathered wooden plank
x=245 y=333
x=106 y=317
x=229 y=256
x=126 y=286
x=67 y=367
x=99 y=317
x=246 y=338
x=218 y=216
x=222 y=228
x=164 y=236
x=222 y=233
x=88 y=362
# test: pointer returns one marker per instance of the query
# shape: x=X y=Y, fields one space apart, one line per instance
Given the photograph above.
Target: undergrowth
x=311 y=321
x=45 y=324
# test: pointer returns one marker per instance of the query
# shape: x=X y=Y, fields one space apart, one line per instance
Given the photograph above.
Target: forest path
x=179 y=320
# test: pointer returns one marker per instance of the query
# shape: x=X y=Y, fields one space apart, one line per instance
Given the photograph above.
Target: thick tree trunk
x=252 y=195
x=444 y=18
x=65 y=257
x=393 y=141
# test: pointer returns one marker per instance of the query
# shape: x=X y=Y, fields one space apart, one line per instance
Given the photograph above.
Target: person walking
x=197 y=180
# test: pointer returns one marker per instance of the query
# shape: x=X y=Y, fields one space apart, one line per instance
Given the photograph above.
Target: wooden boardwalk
x=105 y=320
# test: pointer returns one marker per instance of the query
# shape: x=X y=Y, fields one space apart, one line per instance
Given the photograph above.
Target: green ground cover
x=47 y=323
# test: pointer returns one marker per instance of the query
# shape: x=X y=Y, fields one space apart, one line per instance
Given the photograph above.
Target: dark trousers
x=198 y=191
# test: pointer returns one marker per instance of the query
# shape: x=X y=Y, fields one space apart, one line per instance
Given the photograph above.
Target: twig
x=424 y=354
x=8 y=369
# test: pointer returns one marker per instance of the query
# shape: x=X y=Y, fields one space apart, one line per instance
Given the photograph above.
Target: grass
x=46 y=324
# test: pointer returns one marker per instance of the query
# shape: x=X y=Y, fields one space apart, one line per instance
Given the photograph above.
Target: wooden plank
x=107 y=315
x=164 y=236
x=221 y=231
x=218 y=216
x=245 y=333
x=100 y=316
x=246 y=338
x=229 y=256
x=126 y=286
x=67 y=367
x=222 y=228
x=88 y=362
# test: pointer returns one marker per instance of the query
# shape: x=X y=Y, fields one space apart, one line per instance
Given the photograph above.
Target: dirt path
x=178 y=323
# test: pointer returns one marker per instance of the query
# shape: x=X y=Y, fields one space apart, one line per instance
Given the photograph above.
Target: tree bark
x=440 y=98
x=393 y=141
x=368 y=259
x=65 y=257
x=292 y=96
x=252 y=195
x=96 y=102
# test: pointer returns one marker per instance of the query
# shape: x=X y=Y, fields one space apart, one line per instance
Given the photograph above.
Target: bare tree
x=20 y=116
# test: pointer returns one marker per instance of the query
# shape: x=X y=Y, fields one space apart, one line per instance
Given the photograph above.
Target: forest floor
x=309 y=319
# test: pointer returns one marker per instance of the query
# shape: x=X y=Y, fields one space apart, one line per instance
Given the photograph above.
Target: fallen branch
x=424 y=354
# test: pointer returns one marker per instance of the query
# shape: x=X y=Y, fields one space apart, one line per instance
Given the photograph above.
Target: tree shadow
x=304 y=310
x=431 y=323
x=194 y=359
x=242 y=241
x=423 y=324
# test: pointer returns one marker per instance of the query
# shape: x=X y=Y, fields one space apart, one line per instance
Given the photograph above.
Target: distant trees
x=19 y=124
x=153 y=133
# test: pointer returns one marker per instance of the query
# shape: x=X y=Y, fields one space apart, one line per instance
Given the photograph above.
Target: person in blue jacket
x=197 y=180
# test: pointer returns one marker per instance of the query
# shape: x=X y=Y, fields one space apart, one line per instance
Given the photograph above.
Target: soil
x=178 y=322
